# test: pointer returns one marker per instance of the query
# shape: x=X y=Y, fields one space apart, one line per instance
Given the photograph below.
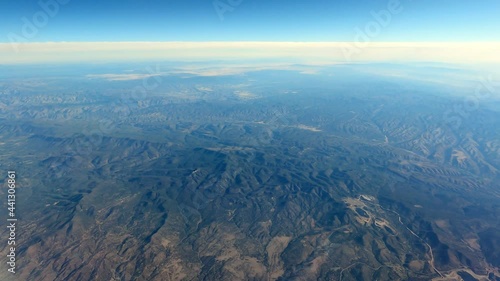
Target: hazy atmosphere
x=250 y=140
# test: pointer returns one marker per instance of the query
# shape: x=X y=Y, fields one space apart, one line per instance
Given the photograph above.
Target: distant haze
x=317 y=52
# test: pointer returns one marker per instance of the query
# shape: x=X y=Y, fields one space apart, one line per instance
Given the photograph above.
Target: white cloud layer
x=319 y=52
x=121 y=77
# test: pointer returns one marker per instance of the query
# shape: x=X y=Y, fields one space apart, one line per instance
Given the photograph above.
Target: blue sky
x=253 y=20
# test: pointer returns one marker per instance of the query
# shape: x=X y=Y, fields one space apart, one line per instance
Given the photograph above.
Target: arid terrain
x=264 y=175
